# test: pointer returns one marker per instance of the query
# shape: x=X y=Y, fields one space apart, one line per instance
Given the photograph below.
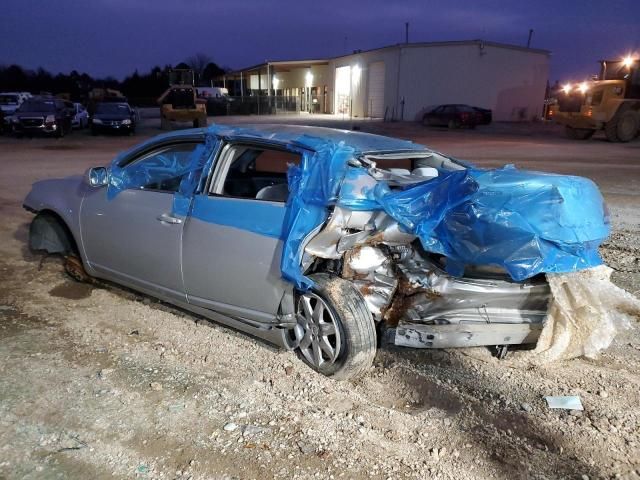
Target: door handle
x=166 y=218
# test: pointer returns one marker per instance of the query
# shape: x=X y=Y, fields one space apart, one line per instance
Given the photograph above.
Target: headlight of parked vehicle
x=97 y=121
x=126 y=121
x=50 y=119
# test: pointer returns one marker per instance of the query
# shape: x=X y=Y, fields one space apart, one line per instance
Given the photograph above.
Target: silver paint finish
x=231 y=270
x=130 y=237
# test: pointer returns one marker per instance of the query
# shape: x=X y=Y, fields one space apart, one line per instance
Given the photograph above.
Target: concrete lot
x=97 y=381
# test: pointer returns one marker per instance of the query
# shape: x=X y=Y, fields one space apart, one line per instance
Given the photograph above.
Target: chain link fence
x=269 y=105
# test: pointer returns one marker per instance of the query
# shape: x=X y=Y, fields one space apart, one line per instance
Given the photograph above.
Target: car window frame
x=215 y=182
x=154 y=151
x=132 y=155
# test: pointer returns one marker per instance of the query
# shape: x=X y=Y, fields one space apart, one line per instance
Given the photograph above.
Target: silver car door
x=134 y=237
x=232 y=241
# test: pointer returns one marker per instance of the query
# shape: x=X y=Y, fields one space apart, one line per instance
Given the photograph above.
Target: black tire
x=94 y=132
x=60 y=133
x=624 y=126
x=627 y=125
x=579 y=133
x=357 y=339
x=453 y=124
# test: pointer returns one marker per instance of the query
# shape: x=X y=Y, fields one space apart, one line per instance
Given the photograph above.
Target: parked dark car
x=113 y=117
x=484 y=116
x=452 y=116
x=46 y=115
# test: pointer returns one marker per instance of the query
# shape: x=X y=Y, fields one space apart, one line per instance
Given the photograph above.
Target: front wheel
x=335 y=331
x=578 y=133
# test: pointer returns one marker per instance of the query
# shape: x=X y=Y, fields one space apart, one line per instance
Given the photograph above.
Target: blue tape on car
x=313 y=187
x=231 y=212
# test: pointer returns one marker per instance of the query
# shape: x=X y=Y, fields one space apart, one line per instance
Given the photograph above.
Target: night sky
x=114 y=37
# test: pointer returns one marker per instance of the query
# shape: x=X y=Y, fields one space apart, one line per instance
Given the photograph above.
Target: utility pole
x=529 y=40
x=406 y=32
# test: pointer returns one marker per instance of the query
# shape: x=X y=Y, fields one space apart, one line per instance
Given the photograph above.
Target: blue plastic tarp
x=526 y=222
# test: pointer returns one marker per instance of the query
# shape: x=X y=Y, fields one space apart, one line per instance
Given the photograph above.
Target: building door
x=375 y=103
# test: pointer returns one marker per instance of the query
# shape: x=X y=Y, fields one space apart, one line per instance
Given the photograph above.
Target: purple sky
x=114 y=37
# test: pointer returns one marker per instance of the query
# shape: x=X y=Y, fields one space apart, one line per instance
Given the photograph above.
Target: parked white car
x=10 y=102
x=80 y=116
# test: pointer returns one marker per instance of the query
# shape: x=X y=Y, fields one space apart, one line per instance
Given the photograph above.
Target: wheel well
x=48 y=232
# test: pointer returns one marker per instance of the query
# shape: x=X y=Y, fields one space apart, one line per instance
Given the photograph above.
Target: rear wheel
x=335 y=332
x=453 y=124
x=579 y=133
x=623 y=127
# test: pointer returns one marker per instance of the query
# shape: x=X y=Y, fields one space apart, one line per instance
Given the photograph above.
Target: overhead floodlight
x=567 y=88
x=583 y=87
x=628 y=61
x=309 y=78
x=276 y=82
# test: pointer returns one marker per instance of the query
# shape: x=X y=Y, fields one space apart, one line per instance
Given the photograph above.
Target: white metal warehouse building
x=400 y=81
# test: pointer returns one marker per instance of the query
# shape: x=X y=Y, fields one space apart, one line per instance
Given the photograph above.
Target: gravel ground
x=100 y=382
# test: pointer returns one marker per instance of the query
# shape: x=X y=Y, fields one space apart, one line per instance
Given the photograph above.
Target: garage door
x=375 y=104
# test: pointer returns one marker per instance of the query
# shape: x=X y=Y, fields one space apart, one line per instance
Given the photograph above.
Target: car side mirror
x=97 y=177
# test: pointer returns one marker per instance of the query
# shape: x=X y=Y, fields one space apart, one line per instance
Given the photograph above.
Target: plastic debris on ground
x=565 y=403
x=586 y=312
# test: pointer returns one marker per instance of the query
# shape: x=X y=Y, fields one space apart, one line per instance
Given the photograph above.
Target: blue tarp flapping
x=525 y=222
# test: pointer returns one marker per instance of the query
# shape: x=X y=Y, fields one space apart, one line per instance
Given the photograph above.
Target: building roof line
x=320 y=61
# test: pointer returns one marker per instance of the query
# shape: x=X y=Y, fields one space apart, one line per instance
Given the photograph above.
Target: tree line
x=139 y=88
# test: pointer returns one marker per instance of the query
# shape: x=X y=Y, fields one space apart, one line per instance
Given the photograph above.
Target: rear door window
x=254 y=172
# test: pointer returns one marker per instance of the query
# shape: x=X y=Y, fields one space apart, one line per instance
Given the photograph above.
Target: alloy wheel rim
x=317 y=331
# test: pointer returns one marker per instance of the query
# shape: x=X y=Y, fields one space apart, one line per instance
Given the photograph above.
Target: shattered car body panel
x=447 y=254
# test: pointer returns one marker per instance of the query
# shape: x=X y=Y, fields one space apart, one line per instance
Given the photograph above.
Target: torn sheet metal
x=463 y=335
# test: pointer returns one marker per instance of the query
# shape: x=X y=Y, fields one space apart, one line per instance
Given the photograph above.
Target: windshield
x=113 y=108
x=38 y=106
x=8 y=99
x=617 y=70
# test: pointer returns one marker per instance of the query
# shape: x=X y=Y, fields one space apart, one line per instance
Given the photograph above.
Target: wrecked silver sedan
x=323 y=240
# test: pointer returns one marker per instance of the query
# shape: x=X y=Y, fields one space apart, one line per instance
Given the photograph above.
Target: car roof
x=304 y=136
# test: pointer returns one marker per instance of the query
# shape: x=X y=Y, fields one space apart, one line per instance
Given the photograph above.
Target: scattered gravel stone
x=230 y=427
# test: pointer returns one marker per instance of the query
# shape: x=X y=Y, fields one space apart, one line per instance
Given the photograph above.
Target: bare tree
x=198 y=63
